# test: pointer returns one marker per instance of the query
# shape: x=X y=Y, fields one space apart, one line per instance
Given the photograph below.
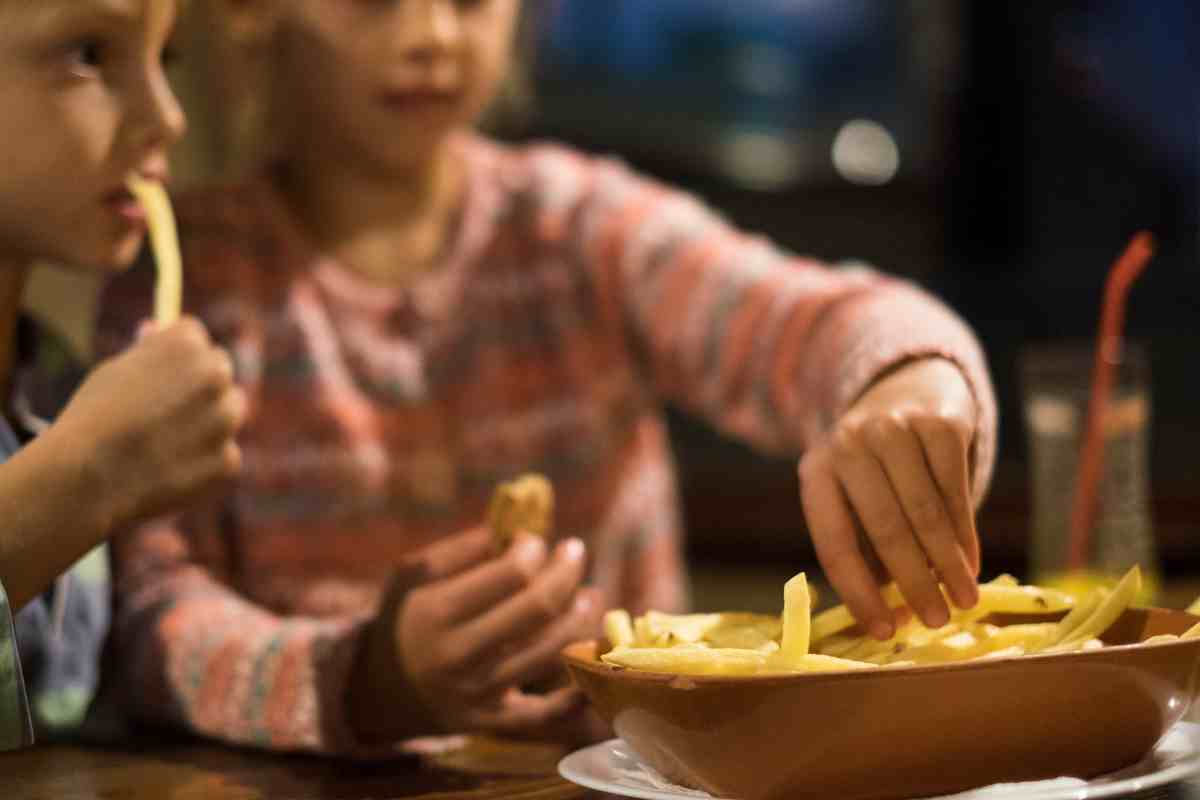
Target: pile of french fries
x=797 y=641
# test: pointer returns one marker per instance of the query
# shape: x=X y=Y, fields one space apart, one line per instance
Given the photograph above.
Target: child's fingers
x=873 y=500
x=449 y=557
x=947 y=444
x=534 y=607
x=899 y=450
x=834 y=535
x=473 y=592
x=538 y=656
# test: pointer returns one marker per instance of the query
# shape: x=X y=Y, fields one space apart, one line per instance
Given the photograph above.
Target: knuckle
x=884 y=428
x=231 y=460
x=850 y=434
x=192 y=332
x=925 y=512
x=233 y=410
x=220 y=369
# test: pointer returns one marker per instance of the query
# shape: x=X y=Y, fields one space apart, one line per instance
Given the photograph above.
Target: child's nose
x=162 y=120
x=429 y=26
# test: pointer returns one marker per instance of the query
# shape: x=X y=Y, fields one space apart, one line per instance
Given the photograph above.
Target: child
x=85 y=105
x=417 y=314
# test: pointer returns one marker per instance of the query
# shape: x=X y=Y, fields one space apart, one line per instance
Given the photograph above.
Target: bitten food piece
x=524 y=505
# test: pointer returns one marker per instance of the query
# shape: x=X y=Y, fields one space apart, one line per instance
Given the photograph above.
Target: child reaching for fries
x=86 y=105
x=418 y=313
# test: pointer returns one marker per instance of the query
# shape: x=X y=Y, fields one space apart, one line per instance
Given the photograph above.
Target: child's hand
x=889 y=491
x=159 y=421
x=463 y=631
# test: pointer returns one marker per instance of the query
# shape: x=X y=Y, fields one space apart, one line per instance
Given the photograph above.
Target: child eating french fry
x=86 y=109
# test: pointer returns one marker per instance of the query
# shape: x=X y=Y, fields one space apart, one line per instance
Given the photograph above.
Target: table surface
x=211 y=772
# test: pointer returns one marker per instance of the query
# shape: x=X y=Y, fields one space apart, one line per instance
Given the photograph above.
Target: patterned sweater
x=573 y=299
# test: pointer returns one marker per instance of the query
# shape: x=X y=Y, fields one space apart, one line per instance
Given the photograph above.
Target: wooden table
x=210 y=772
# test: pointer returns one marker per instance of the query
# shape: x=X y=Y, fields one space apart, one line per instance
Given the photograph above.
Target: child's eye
x=86 y=57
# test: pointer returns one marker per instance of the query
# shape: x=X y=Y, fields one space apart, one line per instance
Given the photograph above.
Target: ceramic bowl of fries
x=1032 y=684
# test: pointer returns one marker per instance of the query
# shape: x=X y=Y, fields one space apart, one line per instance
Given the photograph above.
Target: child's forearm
x=52 y=512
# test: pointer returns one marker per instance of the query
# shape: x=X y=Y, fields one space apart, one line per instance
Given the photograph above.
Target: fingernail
x=937 y=617
x=573 y=549
x=530 y=552
x=882 y=631
x=966 y=596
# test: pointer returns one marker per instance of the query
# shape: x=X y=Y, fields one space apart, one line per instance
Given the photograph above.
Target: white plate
x=613 y=767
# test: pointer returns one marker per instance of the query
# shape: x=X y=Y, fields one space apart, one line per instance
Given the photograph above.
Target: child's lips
x=124 y=205
x=418 y=98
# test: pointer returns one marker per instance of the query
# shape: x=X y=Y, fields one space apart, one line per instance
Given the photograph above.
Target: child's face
x=383 y=82
x=85 y=103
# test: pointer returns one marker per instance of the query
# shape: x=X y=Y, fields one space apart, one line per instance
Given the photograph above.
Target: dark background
x=1034 y=140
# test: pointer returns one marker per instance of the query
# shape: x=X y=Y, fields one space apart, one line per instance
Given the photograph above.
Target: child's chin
x=122 y=255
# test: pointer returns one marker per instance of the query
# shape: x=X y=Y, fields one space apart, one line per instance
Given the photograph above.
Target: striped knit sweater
x=575 y=298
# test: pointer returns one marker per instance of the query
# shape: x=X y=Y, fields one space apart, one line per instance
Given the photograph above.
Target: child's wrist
x=85 y=480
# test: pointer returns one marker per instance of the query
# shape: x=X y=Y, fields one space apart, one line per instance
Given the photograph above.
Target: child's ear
x=248 y=22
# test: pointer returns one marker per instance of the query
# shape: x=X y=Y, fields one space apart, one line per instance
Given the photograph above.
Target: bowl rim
x=595 y=665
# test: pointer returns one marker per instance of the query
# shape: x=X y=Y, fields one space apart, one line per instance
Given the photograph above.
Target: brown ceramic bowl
x=904 y=732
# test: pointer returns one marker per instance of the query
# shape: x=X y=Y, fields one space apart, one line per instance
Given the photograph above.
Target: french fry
x=1107 y=612
x=996 y=597
x=164 y=240
x=839 y=644
x=1162 y=638
x=839 y=618
x=1007 y=652
x=798 y=642
x=618 y=627
x=1001 y=599
x=746 y=631
x=1192 y=632
x=812 y=662
x=1076 y=616
x=524 y=505
x=1029 y=637
x=1194 y=608
x=689 y=660
x=797 y=613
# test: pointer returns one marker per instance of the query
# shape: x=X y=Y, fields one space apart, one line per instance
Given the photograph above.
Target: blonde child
x=85 y=105
x=418 y=313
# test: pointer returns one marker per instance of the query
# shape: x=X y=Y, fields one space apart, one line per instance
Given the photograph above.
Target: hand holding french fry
x=887 y=497
x=159 y=423
x=462 y=629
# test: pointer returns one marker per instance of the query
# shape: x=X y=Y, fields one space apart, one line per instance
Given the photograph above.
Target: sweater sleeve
x=203 y=655
x=767 y=346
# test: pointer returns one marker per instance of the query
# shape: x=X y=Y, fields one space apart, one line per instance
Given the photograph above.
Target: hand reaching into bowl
x=887 y=496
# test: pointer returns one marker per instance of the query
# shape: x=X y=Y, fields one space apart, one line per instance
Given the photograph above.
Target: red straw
x=1108 y=354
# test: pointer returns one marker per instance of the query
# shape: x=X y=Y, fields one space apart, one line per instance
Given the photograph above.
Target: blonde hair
x=224 y=80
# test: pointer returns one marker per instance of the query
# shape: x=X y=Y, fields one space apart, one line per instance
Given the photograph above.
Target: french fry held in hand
x=164 y=240
x=796 y=642
x=524 y=505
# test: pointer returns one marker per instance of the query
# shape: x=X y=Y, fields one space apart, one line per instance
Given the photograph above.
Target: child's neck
x=12 y=287
x=389 y=230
